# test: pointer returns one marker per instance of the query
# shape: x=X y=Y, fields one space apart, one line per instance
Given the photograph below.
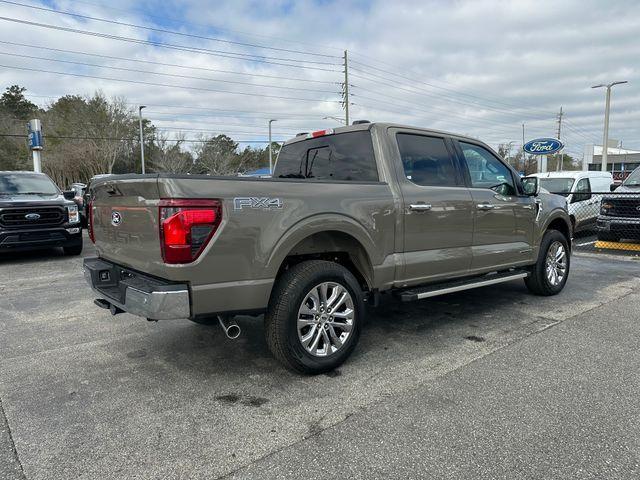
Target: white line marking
x=585 y=244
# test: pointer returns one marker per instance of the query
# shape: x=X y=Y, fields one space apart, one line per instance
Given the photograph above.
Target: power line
x=164 y=45
x=423 y=92
x=133 y=139
x=154 y=84
x=214 y=111
x=183 y=22
x=174 y=75
x=110 y=57
x=172 y=32
x=457 y=92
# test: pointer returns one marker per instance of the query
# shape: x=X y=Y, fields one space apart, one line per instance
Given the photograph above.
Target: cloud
x=475 y=67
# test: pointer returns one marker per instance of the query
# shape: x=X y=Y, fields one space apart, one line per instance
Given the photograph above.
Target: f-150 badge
x=257 y=202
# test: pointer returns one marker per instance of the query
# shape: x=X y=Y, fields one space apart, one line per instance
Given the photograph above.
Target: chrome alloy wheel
x=556 y=263
x=325 y=319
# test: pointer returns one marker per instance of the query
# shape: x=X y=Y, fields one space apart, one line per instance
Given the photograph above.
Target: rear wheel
x=314 y=318
x=549 y=275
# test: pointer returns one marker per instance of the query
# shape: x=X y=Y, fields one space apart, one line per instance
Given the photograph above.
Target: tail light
x=186 y=226
x=90 y=222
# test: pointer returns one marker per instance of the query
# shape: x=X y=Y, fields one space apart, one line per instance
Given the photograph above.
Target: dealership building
x=620 y=162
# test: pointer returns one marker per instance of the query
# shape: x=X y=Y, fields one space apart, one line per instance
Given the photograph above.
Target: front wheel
x=549 y=275
x=314 y=317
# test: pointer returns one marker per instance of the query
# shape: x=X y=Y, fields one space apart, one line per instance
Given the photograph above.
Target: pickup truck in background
x=349 y=214
x=35 y=214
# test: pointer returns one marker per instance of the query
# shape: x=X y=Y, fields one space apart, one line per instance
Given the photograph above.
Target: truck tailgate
x=125 y=221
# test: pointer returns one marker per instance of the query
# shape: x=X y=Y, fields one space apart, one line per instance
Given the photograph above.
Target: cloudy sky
x=480 y=67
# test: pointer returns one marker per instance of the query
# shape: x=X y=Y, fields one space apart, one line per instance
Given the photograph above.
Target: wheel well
x=333 y=246
x=562 y=227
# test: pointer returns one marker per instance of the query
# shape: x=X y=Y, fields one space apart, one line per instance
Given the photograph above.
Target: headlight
x=74 y=216
x=606 y=208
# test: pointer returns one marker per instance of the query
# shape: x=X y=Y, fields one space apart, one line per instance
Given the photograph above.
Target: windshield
x=26 y=184
x=561 y=186
x=633 y=180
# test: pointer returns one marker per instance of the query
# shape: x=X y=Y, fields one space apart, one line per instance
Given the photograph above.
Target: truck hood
x=33 y=200
x=625 y=189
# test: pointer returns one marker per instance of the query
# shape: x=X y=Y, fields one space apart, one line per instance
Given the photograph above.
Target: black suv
x=620 y=211
x=35 y=214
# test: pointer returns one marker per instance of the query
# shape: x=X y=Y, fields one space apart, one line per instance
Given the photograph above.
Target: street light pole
x=141 y=136
x=339 y=120
x=270 y=149
x=605 y=140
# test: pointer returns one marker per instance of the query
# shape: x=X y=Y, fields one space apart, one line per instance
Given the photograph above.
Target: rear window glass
x=342 y=157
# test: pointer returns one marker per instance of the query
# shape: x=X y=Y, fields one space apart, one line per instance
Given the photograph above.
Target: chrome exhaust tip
x=230 y=327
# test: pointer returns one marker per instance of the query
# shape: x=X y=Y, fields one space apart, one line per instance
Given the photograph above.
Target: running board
x=459 y=285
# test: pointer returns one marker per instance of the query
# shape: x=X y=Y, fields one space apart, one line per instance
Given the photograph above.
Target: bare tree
x=168 y=156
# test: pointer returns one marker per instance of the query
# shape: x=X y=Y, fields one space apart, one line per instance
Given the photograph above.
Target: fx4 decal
x=256 y=202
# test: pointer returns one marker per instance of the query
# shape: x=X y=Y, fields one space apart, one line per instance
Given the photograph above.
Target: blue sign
x=34 y=130
x=543 y=146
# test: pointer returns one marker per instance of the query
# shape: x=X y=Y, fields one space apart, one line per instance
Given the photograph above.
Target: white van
x=583 y=191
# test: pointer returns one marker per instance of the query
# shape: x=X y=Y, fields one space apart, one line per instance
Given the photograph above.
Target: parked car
x=620 y=211
x=35 y=214
x=583 y=191
x=349 y=213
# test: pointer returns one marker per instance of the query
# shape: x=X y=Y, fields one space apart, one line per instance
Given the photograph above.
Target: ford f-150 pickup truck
x=348 y=214
x=35 y=214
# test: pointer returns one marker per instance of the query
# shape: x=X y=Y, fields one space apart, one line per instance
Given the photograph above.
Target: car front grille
x=624 y=207
x=32 y=217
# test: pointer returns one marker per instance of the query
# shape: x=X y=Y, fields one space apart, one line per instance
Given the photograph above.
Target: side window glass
x=583 y=191
x=426 y=160
x=486 y=171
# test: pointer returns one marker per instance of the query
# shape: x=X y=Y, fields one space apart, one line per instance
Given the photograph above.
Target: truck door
x=437 y=209
x=503 y=219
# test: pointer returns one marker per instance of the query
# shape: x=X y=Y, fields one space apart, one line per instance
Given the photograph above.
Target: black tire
x=537 y=282
x=281 y=320
x=72 y=251
x=608 y=237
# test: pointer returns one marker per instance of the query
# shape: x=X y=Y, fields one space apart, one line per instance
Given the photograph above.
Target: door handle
x=485 y=206
x=420 y=207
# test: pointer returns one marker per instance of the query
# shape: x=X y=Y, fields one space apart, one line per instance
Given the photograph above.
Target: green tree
x=14 y=103
x=217 y=156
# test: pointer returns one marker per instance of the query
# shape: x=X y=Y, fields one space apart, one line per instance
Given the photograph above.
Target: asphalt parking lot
x=490 y=383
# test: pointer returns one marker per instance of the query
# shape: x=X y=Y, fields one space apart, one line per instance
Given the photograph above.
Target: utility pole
x=141 y=136
x=559 y=165
x=524 y=159
x=605 y=140
x=345 y=91
x=270 y=153
x=34 y=135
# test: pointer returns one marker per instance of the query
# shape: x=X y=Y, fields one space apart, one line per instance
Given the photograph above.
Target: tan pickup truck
x=349 y=214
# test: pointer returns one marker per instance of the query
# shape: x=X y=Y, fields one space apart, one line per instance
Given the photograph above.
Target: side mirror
x=69 y=194
x=531 y=186
x=612 y=187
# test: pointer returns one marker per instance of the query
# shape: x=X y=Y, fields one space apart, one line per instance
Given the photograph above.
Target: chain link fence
x=606 y=221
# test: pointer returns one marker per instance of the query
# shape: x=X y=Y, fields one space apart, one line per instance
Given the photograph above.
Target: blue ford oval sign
x=543 y=146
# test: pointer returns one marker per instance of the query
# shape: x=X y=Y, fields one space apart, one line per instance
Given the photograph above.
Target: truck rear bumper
x=136 y=293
